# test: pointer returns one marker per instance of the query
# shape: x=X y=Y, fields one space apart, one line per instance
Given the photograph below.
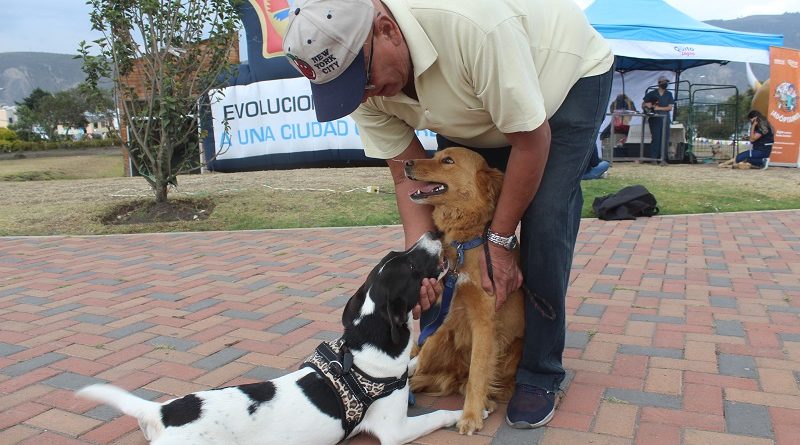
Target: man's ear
x=397 y=310
x=353 y=307
x=386 y=26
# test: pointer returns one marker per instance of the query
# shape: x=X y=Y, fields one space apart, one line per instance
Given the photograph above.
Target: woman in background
x=761 y=140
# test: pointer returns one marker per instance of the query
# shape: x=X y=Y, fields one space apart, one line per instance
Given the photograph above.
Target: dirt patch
x=62 y=152
x=149 y=211
x=32 y=176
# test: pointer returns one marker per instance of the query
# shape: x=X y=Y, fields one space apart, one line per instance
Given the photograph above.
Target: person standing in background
x=658 y=103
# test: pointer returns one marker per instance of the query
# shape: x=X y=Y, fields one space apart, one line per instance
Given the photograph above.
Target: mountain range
x=22 y=72
x=735 y=73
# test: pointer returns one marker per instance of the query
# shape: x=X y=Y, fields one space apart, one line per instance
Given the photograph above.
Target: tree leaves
x=163 y=57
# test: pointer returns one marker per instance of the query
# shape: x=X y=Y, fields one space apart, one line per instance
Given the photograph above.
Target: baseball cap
x=662 y=77
x=324 y=41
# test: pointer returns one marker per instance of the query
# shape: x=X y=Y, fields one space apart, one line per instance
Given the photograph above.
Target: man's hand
x=429 y=292
x=506 y=273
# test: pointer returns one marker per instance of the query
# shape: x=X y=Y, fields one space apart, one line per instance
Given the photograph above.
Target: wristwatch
x=506 y=242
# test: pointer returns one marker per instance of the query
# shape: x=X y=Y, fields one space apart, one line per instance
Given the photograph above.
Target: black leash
x=543 y=306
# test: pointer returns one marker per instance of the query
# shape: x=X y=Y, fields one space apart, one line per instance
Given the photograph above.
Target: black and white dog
x=355 y=384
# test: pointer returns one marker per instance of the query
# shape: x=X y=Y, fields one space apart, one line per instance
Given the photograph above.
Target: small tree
x=163 y=57
x=65 y=108
x=29 y=119
x=44 y=111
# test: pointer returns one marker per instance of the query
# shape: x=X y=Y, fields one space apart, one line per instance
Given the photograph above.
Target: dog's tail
x=146 y=412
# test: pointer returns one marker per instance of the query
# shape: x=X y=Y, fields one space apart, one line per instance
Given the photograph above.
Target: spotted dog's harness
x=357 y=389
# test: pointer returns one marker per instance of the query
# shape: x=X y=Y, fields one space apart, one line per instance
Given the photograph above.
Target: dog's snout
x=429 y=242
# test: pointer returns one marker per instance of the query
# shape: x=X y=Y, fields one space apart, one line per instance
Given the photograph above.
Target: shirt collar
x=423 y=54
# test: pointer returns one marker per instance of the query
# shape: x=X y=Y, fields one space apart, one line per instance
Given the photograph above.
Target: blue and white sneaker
x=597 y=171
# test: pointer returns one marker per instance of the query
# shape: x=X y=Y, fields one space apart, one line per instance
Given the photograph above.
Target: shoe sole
x=528 y=426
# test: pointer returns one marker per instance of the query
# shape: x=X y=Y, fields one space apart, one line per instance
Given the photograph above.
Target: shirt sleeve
x=668 y=99
x=505 y=79
x=383 y=135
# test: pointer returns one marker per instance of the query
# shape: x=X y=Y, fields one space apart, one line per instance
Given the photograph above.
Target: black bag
x=627 y=203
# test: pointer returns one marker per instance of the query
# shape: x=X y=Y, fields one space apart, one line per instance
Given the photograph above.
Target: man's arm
x=529 y=153
x=754 y=133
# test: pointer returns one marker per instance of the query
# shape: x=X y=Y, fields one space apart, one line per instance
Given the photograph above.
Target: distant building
x=8 y=116
x=98 y=127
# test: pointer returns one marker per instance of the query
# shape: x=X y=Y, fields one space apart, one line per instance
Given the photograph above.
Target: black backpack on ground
x=627 y=203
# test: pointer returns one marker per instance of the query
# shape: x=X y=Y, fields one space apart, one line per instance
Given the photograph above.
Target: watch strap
x=506 y=242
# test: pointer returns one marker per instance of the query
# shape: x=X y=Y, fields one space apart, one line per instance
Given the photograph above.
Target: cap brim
x=342 y=95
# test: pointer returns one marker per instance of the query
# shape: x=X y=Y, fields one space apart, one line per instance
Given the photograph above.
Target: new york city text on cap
x=324 y=41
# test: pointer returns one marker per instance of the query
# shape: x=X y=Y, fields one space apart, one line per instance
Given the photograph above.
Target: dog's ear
x=397 y=310
x=353 y=307
x=490 y=180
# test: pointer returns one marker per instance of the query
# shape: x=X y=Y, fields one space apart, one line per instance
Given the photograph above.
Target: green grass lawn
x=71 y=195
x=62 y=167
x=684 y=198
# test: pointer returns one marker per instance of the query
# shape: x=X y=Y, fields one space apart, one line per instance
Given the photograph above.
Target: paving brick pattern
x=681 y=329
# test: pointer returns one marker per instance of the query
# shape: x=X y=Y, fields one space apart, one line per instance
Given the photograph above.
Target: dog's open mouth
x=430 y=189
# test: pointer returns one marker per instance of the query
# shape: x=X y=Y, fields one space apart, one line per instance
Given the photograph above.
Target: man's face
x=390 y=62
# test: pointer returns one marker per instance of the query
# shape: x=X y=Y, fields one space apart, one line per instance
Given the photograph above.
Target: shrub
x=19 y=146
x=7 y=135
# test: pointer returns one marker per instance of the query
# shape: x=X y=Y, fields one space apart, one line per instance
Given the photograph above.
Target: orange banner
x=783 y=109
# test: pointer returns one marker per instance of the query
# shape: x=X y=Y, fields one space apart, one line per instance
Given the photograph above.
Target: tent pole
x=675 y=106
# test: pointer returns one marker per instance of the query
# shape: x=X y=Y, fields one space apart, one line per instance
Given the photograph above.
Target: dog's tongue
x=425 y=189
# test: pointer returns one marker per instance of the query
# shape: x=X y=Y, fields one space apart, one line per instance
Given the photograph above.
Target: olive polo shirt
x=482 y=69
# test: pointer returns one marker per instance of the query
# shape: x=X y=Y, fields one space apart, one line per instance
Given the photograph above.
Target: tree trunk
x=160 y=190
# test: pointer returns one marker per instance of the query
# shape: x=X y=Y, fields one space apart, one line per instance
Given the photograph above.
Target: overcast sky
x=57 y=26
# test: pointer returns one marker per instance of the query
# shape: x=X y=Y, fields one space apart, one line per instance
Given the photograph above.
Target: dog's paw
x=412 y=366
x=490 y=407
x=486 y=414
x=468 y=425
x=454 y=417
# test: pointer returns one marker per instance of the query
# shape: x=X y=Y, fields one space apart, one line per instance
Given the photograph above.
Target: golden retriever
x=476 y=350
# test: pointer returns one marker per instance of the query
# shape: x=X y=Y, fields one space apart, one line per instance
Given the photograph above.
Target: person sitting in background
x=621 y=123
x=761 y=139
x=596 y=169
x=621 y=103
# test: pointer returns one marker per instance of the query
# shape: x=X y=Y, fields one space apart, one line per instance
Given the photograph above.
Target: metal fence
x=713 y=122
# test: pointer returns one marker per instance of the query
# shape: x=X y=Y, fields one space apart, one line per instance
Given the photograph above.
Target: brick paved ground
x=682 y=330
